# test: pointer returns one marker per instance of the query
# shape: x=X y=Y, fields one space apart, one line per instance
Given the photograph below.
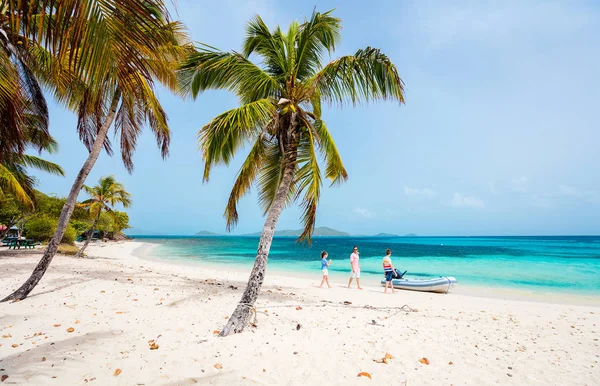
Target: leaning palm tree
x=103 y=197
x=281 y=116
x=127 y=47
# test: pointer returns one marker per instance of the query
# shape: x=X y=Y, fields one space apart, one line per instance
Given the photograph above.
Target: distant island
x=319 y=232
x=142 y=232
x=207 y=233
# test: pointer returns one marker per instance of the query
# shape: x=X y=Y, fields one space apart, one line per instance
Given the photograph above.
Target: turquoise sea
x=540 y=264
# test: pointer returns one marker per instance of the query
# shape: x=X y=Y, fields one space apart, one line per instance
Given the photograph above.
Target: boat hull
x=440 y=284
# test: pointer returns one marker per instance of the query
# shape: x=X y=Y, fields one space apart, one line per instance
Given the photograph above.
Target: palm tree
x=125 y=46
x=281 y=116
x=104 y=197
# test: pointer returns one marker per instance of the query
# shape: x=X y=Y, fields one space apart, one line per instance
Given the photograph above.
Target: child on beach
x=388 y=270
x=324 y=265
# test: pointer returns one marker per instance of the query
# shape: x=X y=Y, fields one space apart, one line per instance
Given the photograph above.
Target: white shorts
x=325 y=271
x=355 y=274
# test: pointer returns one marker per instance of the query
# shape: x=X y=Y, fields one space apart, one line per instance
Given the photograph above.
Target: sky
x=499 y=134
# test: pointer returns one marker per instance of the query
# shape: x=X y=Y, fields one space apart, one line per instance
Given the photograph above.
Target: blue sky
x=499 y=134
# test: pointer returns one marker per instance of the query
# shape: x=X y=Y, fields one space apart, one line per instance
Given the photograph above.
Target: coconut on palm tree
x=280 y=115
x=126 y=46
x=103 y=198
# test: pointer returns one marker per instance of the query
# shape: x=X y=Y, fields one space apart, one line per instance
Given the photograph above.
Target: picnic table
x=25 y=243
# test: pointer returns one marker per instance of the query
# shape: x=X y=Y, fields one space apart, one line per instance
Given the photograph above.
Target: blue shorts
x=388 y=276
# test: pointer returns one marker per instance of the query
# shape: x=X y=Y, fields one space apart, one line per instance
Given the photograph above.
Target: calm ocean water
x=569 y=264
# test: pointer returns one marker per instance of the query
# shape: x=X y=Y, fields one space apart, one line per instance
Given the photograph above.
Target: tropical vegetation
x=280 y=117
x=39 y=222
x=114 y=52
x=103 y=198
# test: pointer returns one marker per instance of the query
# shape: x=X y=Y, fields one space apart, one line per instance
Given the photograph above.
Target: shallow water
x=549 y=264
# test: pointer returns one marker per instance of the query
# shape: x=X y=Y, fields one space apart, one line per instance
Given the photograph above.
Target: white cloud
x=419 y=194
x=520 y=185
x=363 y=212
x=460 y=201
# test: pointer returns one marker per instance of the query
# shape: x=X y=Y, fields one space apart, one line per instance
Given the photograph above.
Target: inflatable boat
x=440 y=284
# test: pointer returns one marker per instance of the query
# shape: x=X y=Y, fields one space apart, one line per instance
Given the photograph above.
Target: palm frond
x=224 y=134
x=245 y=177
x=95 y=209
x=335 y=170
x=366 y=76
x=270 y=176
x=269 y=46
x=40 y=164
x=309 y=183
x=9 y=182
x=209 y=68
x=317 y=36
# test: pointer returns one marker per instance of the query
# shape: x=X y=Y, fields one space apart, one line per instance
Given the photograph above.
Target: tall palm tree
x=104 y=197
x=125 y=46
x=281 y=116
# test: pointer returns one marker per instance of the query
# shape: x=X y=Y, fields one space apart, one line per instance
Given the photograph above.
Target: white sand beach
x=114 y=304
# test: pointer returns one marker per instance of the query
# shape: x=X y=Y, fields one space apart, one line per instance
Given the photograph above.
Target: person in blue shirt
x=324 y=265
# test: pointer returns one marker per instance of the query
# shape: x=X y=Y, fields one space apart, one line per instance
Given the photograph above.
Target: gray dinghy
x=440 y=284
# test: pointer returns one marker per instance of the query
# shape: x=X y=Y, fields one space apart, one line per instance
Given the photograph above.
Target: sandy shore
x=115 y=303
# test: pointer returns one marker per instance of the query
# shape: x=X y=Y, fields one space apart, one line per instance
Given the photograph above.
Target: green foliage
x=111 y=223
x=41 y=228
x=103 y=198
x=10 y=211
x=80 y=226
x=69 y=236
x=280 y=113
x=49 y=206
x=121 y=221
x=105 y=223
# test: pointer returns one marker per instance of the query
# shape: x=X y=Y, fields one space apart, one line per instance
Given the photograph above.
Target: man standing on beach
x=355 y=268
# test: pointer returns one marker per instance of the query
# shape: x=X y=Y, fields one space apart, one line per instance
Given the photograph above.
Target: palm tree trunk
x=67 y=211
x=89 y=238
x=239 y=318
x=8 y=226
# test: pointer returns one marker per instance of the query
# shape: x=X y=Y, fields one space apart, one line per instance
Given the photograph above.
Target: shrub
x=66 y=249
x=69 y=236
x=42 y=229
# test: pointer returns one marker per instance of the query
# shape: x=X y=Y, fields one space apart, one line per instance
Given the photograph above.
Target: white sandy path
x=117 y=303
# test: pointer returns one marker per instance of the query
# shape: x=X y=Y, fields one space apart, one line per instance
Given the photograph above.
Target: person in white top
x=355 y=265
